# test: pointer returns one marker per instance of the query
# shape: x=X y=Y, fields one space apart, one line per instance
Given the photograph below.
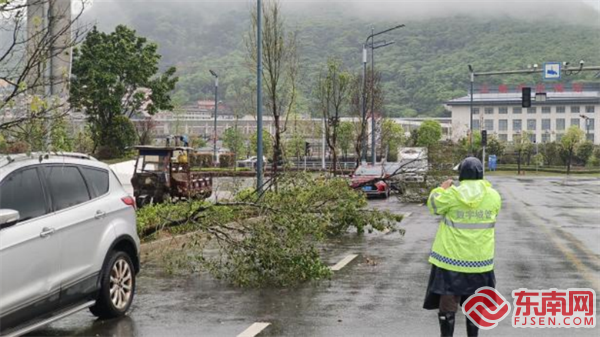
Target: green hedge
x=549 y=169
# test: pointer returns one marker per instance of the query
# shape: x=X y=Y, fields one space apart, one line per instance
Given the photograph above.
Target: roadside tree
x=116 y=75
x=570 y=140
x=346 y=137
x=235 y=141
x=522 y=146
x=429 y=134
x=279 y=69
x=392 y=136
x=332 y=93
x=32 y=99
x=584 y=151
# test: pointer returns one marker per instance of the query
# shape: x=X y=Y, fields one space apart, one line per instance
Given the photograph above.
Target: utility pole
x=472 y=77
x=323 y=166
x=259 y=116
x=363 y=156
x=216 y=155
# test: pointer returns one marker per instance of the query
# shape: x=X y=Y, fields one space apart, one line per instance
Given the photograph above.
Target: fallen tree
x=271 y=238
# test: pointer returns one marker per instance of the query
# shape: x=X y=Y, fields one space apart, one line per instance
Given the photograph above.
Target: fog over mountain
x=584 y=12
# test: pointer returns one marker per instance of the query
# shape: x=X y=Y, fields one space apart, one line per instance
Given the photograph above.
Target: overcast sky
x=573 y=11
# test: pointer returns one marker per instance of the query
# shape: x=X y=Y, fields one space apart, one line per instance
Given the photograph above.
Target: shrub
x=226 y=160
x=199 y=160
x=18 y=147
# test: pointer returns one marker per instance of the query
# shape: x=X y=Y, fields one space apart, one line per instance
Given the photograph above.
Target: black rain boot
x=446 y=320
x=472 y=329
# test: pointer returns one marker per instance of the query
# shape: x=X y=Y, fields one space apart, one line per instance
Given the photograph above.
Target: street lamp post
x=259 y=116
x=216 y=156
x=373 y=47
x=587 y=126
x=472 y=79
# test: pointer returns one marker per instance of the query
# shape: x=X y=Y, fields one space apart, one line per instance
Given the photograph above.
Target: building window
x=489 y=124
x=503 y=137
x=475 y=111
x=503 y=110
x=516 y=137
x=545 y=124
x=559 y=137
x=590 y=109
x=560 y=109
x=475 y=124
x=575 y=121
x=531 y=110
x=503 y=125
x=531 y=125
x=517 y=110
x=517 y=125
x=590 y=137
x=591 y=123
x=575 y=109
x=545 y=137
x=532 y=137
x=546 y=110
x=489 y=111
x=560 y=124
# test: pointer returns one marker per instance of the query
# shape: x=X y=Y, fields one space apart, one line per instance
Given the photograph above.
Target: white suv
x=68 y=240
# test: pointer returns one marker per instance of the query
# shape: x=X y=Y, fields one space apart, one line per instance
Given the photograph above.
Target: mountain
x=426 y=65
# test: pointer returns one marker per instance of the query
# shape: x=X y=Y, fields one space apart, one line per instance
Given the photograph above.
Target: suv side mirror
x=8 y=217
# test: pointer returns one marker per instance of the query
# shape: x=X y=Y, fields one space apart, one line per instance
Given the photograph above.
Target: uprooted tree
x=271 y=238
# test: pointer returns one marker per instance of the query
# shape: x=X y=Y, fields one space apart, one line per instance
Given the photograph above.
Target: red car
x=371 y=180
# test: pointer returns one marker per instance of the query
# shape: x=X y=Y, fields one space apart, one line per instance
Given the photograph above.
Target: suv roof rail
x=9 y=159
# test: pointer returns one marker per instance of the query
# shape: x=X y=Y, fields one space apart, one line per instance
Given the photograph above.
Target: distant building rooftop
x=557 y=93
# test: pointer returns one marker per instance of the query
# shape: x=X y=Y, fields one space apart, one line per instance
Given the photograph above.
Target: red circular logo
x=486 y=308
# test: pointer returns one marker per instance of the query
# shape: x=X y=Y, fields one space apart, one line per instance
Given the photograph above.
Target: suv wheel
x=117 y=287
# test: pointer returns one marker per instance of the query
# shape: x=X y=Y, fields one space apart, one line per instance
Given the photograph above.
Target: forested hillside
x=426 y=66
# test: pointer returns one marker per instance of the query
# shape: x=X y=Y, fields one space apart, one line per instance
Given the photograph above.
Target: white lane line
x=344 y=262
x=406 y=215
x=254 y=329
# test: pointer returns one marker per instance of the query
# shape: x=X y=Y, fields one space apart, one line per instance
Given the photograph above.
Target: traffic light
x=483 y=137
x=306 y=149
x=526 y=97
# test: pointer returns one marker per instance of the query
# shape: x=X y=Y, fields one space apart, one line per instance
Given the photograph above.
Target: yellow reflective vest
x=465 y=238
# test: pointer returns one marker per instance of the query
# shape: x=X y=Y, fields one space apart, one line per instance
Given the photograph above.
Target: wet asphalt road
x=548 y=236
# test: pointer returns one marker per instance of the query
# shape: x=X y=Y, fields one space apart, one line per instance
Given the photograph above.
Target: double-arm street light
x=216 y=156
x=372 y=44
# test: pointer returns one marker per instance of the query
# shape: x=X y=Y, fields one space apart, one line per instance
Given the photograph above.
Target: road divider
x=254 y=329
x=343 y=262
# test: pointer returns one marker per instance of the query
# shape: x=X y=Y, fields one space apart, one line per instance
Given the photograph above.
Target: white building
x=500 y=112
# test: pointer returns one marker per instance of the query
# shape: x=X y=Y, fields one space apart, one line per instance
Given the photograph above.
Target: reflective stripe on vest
x=462 y=225
x=461 y=263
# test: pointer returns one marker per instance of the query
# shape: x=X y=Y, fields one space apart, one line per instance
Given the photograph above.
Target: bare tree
x=333 y=92
x=280 y=69
x=356 y=104
x=35 y=62
x=145 y=129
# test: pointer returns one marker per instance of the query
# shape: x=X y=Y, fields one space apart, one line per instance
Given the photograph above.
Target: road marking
x=254 y=329
x=344 y=262
x=406 y=215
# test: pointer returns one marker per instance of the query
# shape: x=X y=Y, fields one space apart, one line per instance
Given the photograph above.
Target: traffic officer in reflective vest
x=462 y=255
